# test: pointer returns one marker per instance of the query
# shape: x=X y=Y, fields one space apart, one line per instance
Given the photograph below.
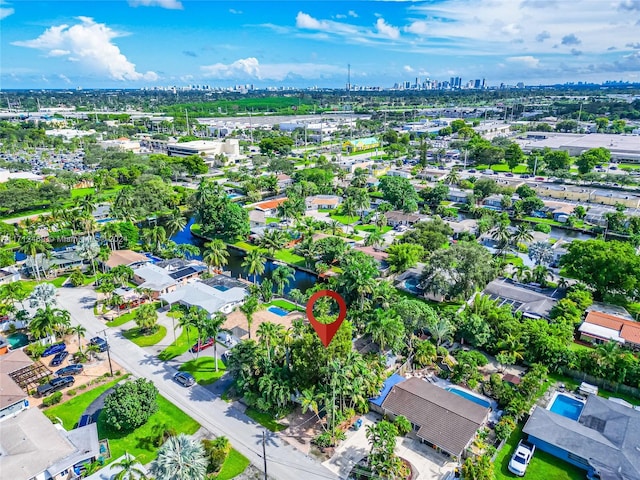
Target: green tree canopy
x=130 y=405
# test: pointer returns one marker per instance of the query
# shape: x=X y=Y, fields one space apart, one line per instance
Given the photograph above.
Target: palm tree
x=307 y=249
x=282 y=276
x=215 y=254
x=501 y=234
x=386 y=329
x=88 y=249
x=212 y=329
x=175 y=223
x=254 y=263
x=273 y=240
x=155 y=237
x=42 y=296
x=269 y=333
x=374 y=239
x=129 y=469
x=249 y=307
x=349 y=208
x=442 y=330
x=31 y=246
x=80 y=331
x=522 y=234
x=48 y=321
x=146 y=317
x=13 y=292
x=180 y=458
x=87 y=204
x=452 y=178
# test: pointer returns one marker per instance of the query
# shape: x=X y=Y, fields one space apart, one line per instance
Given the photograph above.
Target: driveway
x=283 y=461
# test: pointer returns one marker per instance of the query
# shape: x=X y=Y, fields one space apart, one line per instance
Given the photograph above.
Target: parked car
x=85 y=420
x=198 y=347
x=100 y=342
x=539 y=179
x=184 y=378
x=508 y=174
x=54 y=349
x=70 y=370
x=521 y=458
x=59 y=358
x=54 y=385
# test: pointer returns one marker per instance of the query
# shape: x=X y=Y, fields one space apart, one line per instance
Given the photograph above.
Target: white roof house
x=208 y=298
x=154 y=278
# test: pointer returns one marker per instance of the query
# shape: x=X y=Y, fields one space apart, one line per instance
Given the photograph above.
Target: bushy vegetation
x=130 y=405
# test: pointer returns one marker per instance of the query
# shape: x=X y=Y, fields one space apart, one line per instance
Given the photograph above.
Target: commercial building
x=230 y=148
x=361 y=144
x=623 y=148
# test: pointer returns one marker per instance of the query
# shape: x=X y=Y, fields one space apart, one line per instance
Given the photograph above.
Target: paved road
x=217 y=416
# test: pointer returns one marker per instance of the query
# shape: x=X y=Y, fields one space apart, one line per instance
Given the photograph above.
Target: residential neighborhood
x=155 y=301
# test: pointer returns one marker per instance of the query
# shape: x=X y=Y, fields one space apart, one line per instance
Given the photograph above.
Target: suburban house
x=164 y=280
x=530 y=301
x=396 y=217
x=9 y=275
x=54 y=263
x=603 y=441
x=599 y=327
x=125 y=257
x=493 y=201
x=459 y=196
x=399 y=173
x=270 y=207
x=284 y=181
x=360 y=144
x=218 y=298
x=101 y=212
x=443 y=420
x=323 y=202
x=32 y=447
x=562 y=214
x=257 y=218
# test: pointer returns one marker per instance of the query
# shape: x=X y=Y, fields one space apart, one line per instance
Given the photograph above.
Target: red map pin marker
x=326 y=331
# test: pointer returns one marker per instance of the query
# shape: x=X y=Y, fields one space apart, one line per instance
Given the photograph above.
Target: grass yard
x=514 y=260
x=138 y=443
x=288 y=256
x=284 y=304
x=187 y=338
x=244 y=245
x=372 y=228
x=345 y=220
x=272 y=220
x=503 y=167
x=136 y=337
x=69 y=412
x=234 y=465
x=542 y=467
x=82 y=192
x=126 y=317
x=548 y=221
x=60 y=280
x=204 y=370
x=264 y=419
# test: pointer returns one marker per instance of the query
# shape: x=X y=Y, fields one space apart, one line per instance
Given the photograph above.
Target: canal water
x=303 y=280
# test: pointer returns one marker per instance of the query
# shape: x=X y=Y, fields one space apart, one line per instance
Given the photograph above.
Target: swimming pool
x=17 y=340
x=281 y=312
x=469 y=396
x=566 y=406
x=411 y=284
x=233 y=195
x=221 y=288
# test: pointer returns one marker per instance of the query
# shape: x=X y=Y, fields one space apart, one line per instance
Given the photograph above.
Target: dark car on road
x=70 y=370
x=54 y=385
x=54 y=349
x=59 y=358
x=85 y=420
x=100 y=342
x=184 y=378
x=198 y=347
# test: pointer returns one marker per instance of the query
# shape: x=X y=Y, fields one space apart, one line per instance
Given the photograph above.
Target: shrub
x=72 y=392
x=35 y=350
x=217 y=451
x=52 y=400
x=505 y=427
x=542 y=227
x=402 y=424
x=130 y=405
x=83 y=386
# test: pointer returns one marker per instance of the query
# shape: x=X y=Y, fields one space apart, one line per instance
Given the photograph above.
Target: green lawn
x=284 y=304
x=272 y=220
x=69 y=412
x=548 y=221
x=503 y=167
x=264 y=419
x=345 y=220
x=138 y=443
x=244 y=245
x=542 y=467
x=60 y=280
x=288 y=256
x=514 y=260
x=577 y=347
x=234 y=465
x=126 y=317
x=82 y=192
x=372 y=228
x=203 y=369
x=187 y=338
x=136 y=337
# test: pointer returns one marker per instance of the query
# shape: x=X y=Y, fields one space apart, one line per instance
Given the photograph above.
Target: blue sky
x=134 y=43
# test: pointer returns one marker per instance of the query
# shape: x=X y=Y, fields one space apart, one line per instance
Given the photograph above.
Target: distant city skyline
x=150 y=43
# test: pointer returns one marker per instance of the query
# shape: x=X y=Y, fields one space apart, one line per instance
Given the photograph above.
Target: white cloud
x=235 y=12
x=571 y=39
x=353 y=14
x=418 y=27
x=525 y=60
x=89 y=44
x=629 y=5
x=64 y=78
x=5 y=12
x=168 y=4
x=386 y=30
x=408 y=68
x=251 y=68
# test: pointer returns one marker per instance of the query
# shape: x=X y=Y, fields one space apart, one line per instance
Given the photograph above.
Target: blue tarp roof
x=386 y=388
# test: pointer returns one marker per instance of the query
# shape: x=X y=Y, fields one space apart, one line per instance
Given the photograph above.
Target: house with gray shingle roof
x=605 y=440
x=443 y=420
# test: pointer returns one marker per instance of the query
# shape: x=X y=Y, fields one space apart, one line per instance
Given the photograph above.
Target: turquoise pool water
x=469 y=396
x=412 y=285
x=17 y=340
x=567 y=407
x=281 y=312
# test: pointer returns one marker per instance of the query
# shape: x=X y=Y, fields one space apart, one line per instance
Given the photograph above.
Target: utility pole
x=104 y=332
x=264 y=454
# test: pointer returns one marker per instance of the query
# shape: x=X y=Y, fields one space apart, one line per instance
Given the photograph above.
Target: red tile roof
x=629 y=330
x=270 y=204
